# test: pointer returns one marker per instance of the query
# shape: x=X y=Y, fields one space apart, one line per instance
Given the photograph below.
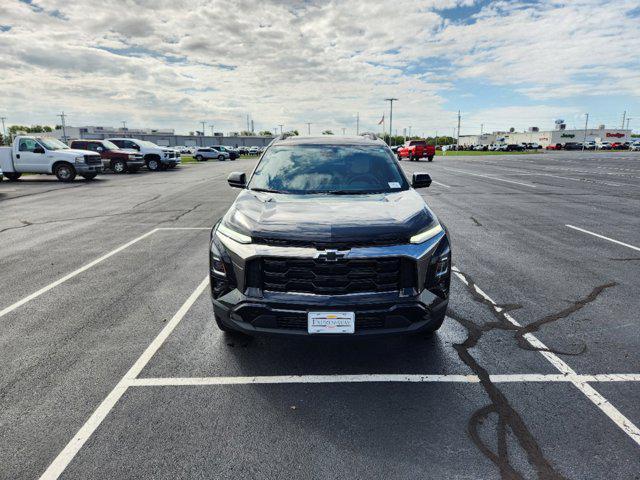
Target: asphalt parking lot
x=113 y=366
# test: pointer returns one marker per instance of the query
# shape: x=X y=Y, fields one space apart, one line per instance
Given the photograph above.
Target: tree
x=327 y=132
x=14 y=129
x=293 y=133
x=265 y=133
x=246 y=133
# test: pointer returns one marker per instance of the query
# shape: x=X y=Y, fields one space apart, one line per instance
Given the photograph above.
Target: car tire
x=430 y=158
x=221 y=158
x=119 y=166
x=65 y=172
x=198 y=158
x=153 y=164
x=12 y=176
x=89 y=176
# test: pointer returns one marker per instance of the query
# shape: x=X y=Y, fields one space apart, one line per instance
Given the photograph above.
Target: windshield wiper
x=352 y=192
x=267 y=190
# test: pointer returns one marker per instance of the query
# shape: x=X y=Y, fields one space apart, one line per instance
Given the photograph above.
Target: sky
x=176 y=63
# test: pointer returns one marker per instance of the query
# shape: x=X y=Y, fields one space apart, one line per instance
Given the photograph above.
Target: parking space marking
x=603 y=237
x=75 y=444
x=489 y=177
x=377 y=378
x=596 y=398
x=441 y=184
x=86 y=267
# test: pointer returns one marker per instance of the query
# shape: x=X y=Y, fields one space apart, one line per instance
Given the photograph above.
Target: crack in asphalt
x=478 y=224
x=185 y=212
x=508 y=418
x=146 y=201
x=631 y=259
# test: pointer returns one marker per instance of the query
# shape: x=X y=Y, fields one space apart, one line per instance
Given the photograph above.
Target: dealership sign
x=567 y=135
x=616 y=135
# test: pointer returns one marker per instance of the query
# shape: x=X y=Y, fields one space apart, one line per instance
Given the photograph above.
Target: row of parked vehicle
x=242 y=150
x=592 y=145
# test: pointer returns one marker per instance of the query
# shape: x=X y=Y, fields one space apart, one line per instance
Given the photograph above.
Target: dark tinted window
x=328 y=169
x=418 y=142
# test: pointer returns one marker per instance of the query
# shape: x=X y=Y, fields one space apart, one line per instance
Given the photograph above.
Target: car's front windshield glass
x=337 y=169
x=52 y=143
x=109 y=145
x=145 y=143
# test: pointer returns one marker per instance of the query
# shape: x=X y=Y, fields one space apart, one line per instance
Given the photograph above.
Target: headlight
x=79 y=159
x=132 y=157
x=217 y=265
x=426 y=235
x=232 y=234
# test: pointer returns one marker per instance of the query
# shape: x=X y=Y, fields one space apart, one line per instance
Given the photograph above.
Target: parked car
x=572 y=146
x=280 y=265
x=604 y=146
x=589 y=145
x=113 y=157
x=635 y=147
x=619 y=146
x=254 y=150
x=557 y=146
x=243 y=150
x=31 y=154
x=414 y=150
x=155 y=157
x=233 y=154
x=206 y=153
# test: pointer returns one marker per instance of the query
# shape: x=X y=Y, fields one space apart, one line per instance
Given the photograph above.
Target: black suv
x=329 y=237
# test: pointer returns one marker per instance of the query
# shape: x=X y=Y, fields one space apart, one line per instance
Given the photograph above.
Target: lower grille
x=364 y=322
x=301 y=275
x=93 y=159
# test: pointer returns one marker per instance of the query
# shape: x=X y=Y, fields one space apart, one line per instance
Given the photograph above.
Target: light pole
x=358 y=123
x=64 y=131
x=124 y=126
x=410 y=132
x=308 y=128
x=343 y=130
x=281 y=125
x=458 y=137
x=586 y=123
x=211 y=126
x=390 y=100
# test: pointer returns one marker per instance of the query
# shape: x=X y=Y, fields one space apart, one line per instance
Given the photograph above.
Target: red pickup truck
x=414 y=150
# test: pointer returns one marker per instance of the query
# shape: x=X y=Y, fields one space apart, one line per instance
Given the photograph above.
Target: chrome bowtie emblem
x=331 y=255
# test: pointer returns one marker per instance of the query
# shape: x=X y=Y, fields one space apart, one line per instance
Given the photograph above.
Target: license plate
x=331 y=322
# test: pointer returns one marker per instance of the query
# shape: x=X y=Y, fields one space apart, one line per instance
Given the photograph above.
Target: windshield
x=109 y=145
x=52 y=143
x=144 y=143
x=337 y=169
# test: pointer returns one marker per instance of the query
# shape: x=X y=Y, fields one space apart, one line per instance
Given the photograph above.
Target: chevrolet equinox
x=328 y=236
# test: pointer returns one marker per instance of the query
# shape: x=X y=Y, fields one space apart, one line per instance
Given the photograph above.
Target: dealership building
x=163 y=137
x=549 y=137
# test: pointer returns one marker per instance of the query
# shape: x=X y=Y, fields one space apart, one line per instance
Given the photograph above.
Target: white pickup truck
x=155 y=157
x=31 y=154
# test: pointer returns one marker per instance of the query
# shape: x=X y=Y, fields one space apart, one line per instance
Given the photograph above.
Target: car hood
x=77 y=152
x=329 y=219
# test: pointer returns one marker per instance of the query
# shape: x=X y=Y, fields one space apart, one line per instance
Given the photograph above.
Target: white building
x=549 y=137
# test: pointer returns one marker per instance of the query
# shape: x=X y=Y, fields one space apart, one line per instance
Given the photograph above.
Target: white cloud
x=174 y=63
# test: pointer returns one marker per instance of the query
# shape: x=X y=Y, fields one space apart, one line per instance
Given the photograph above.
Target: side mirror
x=100 y=149
x=237 y=179
x=421 y=180
x=38 y=150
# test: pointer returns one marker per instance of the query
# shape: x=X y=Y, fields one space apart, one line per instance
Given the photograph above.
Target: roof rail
x=370 y=135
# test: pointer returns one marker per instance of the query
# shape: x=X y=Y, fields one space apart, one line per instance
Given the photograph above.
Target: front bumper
x=83 y=168
x=286 y=314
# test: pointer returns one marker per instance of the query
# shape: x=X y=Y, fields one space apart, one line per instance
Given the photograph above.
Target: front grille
x=321 y=245
x=363 y=322
x=93 y=159
x=321 y=277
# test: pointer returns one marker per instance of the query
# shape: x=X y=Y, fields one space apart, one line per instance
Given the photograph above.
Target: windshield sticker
x=394 y=185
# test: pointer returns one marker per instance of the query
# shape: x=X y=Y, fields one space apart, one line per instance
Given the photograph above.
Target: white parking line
x=75 y=444
x=598 y=400
x=376 y=378
x=441 y=184
x=490 y=177
x=603 y=237
x=86 y=267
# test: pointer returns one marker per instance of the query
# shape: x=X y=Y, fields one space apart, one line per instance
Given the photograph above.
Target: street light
x=390 y=100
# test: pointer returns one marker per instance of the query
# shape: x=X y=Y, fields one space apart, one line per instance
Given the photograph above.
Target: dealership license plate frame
x=328 y=323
